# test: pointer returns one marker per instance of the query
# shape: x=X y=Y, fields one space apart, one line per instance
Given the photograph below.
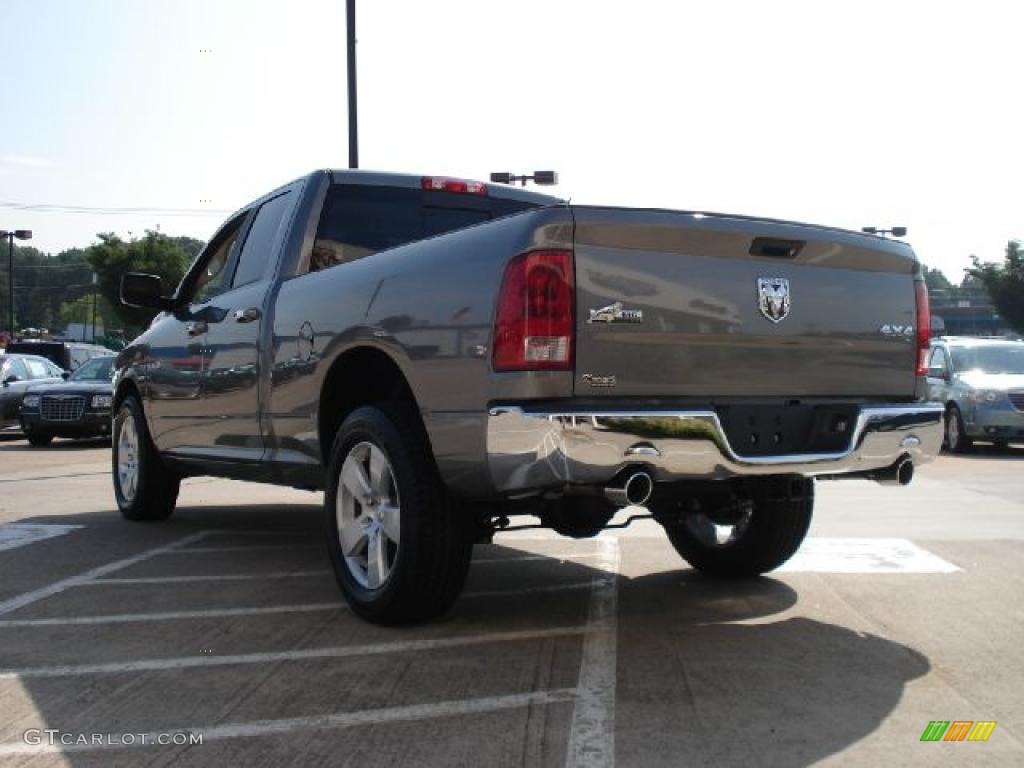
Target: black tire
x=775 y=525
x=156 y=488
x=956 y=439
x=432 y=558
x=40 y=439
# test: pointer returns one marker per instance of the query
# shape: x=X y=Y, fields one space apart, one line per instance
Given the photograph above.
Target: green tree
x=155 y=253
x=80 y=310
x=41 y=284
x=1004 y=283
x=190 y=245
x=938 y=284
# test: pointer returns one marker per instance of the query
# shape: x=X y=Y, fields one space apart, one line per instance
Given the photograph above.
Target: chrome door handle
x=247 y=315
x=197 y=328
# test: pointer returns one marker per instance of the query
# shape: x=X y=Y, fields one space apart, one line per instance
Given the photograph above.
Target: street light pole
x=21 y=234
x=10 y=284
x=353 y=126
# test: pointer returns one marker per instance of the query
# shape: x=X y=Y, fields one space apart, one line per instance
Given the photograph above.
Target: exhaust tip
x=631 y=489
x=905 y=472
x=900 y=473
x=639 y=487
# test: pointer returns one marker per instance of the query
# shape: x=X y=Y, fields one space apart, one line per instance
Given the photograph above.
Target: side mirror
x=65 y=375
x=11 y=379
x=141 y=290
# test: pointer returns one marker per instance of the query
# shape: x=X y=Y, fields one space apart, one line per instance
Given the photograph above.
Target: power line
x=110 y=210
x=51 y=287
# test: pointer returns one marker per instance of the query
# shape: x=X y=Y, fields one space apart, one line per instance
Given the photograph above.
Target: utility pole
x=21 y=234
x=353 y=125
x=95 y=300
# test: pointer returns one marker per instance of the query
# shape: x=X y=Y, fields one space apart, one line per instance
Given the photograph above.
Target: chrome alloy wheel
x=368 y=515
x=713 y=535
x=952 y=430
x=128 y=458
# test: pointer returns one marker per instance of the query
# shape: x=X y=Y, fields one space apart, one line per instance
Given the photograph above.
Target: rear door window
x=937 y=364
x=359 y=220
x=262 y=241
x=36 y=368
x=15 y=367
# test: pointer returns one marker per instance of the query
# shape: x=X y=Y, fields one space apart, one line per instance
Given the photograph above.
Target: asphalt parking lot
x=905 y=606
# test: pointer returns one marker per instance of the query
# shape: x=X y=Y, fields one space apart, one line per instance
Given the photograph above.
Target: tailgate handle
x=776 y=248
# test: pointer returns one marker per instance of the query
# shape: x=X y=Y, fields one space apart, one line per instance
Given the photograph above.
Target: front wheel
x=399 y=544
x=747 y=535
x=144 y=488
x=39 y=439
x=956 y=437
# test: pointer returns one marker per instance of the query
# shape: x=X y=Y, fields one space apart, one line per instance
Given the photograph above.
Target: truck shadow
x=704 y=671
x=708 y=672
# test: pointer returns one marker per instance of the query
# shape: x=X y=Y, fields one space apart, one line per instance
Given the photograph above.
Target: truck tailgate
x=673 y=304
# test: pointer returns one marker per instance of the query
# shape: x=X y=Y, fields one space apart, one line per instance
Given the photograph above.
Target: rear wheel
x=144 y=488
x=956 y=438
x=399 y=544
x=40 y=439
x=742 y=537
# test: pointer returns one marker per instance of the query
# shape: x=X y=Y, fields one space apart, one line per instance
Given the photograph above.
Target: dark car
x=78 y=407
x=17 y=374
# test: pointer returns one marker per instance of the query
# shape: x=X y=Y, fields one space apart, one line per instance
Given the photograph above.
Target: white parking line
x=210 y=577
x=529 y=590
x=592 y=736
x=14 y=535
x=264 y=532
x=20 y=601
x=332 y=652
x=564 y=556
x=413 y=712
x=240 y=548
x=824 y=555
x=205 y=613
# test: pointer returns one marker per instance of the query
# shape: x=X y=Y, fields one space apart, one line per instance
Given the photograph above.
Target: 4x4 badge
x=773 y=297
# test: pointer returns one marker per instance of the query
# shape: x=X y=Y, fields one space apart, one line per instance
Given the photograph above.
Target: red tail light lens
x=924 y=326
x=459 y=186
x=534 y=327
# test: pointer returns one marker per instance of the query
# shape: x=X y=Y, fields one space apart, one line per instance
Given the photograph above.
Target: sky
x=841 y=113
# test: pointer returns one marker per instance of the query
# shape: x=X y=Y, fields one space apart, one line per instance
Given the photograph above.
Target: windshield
x=995 y=358
x=97 y=369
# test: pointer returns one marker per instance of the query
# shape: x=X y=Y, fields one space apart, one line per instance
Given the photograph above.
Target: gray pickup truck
x=444 y=356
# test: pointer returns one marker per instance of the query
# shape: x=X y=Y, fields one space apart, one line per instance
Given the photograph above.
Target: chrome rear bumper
x=530 y=450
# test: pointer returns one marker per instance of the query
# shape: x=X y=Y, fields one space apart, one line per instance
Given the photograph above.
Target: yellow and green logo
x=958 y=730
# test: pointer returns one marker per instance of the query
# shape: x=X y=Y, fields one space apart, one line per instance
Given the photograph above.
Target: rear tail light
x=534 y=326
x=924 y=326
x=444 y=184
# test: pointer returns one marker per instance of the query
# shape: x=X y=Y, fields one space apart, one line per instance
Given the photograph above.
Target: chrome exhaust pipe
x=633 y=488
x=900 y=473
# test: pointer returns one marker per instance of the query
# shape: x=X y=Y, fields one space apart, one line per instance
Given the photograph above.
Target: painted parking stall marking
x=14 y=535
x=591 y=733
x=27 y=598
x=877 y=556
x=590 y=742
